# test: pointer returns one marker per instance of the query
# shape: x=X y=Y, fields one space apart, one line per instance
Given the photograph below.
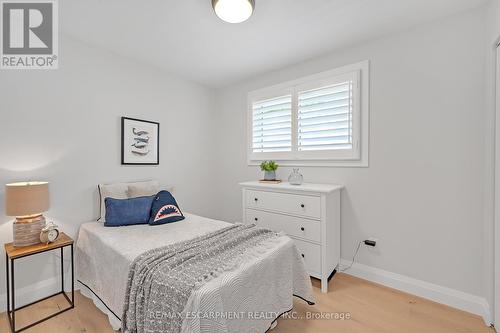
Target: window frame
x=357 y=157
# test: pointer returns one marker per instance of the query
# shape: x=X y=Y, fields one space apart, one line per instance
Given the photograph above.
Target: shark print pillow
x=165 y=209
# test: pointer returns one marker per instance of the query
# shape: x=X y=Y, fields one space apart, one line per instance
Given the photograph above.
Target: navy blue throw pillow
x=121 y=212
x=165 y=209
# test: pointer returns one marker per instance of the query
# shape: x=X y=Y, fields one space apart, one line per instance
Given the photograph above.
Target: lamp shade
x=26 y=198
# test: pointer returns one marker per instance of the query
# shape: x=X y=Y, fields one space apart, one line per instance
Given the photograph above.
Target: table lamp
x=27 y=201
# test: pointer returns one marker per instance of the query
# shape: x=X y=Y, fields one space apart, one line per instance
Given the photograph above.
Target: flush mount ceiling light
x=233 y=11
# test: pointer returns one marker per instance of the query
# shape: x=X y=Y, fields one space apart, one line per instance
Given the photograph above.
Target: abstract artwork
x=140 y=142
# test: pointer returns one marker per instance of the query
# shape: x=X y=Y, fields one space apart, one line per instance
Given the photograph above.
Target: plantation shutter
x=325 y=118
x=272 y=125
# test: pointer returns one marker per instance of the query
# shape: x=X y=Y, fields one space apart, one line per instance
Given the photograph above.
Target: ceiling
x=184 y=37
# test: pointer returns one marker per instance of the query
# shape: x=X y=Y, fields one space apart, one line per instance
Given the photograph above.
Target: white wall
x=422 y=195
x=64 y=126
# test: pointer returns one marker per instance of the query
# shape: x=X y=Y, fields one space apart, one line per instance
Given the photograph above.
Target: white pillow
x=125 y=191
x=142 y=189
x=116 y=191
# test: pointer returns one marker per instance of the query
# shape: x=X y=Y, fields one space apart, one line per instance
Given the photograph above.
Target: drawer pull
x=302 y=228
x=303 y=255
x=256 y=219
x=302 y=205
x=256 y=199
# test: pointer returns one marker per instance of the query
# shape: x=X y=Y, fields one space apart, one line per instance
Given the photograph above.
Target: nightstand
x=13 y=253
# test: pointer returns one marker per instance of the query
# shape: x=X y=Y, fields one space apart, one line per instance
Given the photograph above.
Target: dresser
x=308 y=213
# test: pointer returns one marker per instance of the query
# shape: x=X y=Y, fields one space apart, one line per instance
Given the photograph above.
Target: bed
x=248 y=298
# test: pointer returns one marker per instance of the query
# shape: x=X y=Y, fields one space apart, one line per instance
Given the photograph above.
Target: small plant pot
x=270 y=175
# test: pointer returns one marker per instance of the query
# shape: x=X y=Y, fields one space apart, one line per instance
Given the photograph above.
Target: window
x=272 y=125
x=318 y=120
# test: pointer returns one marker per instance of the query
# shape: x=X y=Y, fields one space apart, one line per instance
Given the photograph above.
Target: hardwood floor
x=373 y=308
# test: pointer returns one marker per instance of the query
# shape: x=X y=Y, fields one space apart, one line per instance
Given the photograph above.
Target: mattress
x=246 y=299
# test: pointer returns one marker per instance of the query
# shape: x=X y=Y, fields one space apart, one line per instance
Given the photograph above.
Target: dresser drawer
x=311 y=254
x=291 y=225
x=296 y=204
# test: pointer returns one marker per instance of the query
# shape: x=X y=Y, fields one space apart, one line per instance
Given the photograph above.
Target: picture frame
x=140 y=142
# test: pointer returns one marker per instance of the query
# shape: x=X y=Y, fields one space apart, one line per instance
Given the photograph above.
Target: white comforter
x=247 y=299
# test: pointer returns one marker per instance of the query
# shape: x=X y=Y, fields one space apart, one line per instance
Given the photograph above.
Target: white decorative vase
x=295 y=177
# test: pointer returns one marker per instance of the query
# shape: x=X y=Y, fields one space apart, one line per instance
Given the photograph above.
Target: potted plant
x=269 y=167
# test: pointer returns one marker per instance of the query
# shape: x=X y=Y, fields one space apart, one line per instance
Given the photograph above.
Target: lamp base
x=27 y=230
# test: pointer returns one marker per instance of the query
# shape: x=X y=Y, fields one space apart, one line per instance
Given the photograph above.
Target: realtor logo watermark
x=29 y=35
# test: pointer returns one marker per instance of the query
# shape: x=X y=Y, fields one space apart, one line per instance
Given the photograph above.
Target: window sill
x=316 y=163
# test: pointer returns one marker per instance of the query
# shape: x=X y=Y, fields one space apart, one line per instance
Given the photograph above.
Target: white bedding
x=262 y=287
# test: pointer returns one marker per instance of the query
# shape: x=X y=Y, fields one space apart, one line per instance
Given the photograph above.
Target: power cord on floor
x=353 y=257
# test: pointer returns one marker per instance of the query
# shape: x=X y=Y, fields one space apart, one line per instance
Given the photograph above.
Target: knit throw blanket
x=161 y=280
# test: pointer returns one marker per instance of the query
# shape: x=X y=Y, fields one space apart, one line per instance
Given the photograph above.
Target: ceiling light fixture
x=233 y=11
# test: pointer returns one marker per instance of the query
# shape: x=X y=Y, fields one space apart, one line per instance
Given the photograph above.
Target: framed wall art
x=140 y=142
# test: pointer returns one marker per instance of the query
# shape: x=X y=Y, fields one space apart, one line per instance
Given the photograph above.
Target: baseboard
x=451 y=297
x=30 y=293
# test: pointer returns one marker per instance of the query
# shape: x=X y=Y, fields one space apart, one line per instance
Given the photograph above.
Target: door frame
x=496 y=203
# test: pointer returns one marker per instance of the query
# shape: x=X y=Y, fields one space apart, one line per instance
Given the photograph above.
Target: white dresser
x=308 y=213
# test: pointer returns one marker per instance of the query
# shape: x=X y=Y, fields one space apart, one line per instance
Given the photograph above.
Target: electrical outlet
x=372 y=242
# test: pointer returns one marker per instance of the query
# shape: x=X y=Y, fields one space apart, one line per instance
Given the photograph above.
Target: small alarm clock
x=49 y=233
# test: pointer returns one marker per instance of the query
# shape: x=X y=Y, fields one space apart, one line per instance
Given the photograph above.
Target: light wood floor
x=373 y=308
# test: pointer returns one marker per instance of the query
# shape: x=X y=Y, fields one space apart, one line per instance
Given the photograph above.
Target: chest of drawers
x=309 y=214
